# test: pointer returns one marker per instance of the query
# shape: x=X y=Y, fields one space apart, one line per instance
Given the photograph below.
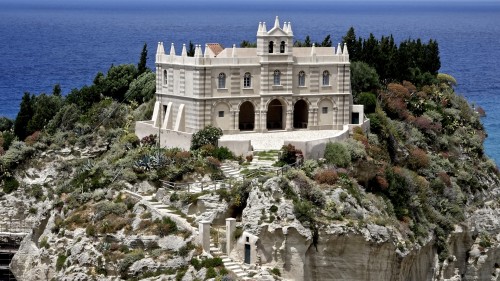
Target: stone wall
x=168 y=138
x=315 y=149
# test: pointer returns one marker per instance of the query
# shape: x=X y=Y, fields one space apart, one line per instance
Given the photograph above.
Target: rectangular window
x=165 y=108
x=355 y=118
x=221 y=113
x=324 y=110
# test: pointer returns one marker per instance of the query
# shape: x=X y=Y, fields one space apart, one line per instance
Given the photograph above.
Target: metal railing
x=228 y=182
x=200 y=185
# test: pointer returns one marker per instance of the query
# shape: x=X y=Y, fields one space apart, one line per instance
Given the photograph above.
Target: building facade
x=274 y=86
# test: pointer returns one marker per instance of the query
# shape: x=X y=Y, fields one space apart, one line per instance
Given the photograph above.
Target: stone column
x=289 y=117
x=263 y=121
x=236 y=120
x=256 y=121
x=204 y=232
x=230 y=228
x=310 y=119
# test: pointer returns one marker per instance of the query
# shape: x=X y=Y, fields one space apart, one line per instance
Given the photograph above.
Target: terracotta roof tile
x=216 y=48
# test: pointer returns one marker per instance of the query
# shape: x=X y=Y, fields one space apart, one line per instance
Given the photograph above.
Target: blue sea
x=43 y=43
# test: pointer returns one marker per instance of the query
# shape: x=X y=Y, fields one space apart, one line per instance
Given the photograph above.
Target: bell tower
x=276 y=41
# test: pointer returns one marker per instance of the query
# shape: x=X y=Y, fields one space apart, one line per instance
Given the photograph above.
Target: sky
x=211 y=2
x=265 y=5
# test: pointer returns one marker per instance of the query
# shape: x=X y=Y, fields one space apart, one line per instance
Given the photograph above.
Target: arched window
x=247 y=80
x=326 y=78
x=277 y=77
x=271 y=47
x=302 y=79
x=222 y=80
x=165 y=77
x=282 y=47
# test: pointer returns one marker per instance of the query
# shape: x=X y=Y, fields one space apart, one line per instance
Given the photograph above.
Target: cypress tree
x=353 y=45
x=141 y=66
x=327 y=42
x=24 y=116
x=190 y=50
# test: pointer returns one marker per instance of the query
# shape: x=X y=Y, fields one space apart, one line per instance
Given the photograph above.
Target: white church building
x=273 y=87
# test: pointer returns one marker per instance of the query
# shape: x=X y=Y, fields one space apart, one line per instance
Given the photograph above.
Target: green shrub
x=303 y=211
x=36 y=191
x=174 y=197
x=356 y=149
x=208 y=135
x=183 y=251
x=210 y=273
x=44 y=243
x=336 y=153
x=165 y=227
x=485 y=240
x=222 y=153
x=273 y=209
x=213 y=262
x=309 y=167
x=196 y=263
x=10 y=184
x=238 y=232
x=61 y=259
x=128 y=260
x=276 y=271
x=90 y=230
x=105 y=208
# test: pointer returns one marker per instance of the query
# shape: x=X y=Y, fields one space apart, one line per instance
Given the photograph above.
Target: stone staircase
x=163 y=210
x=263 y=158
x=230 y=171
x=229 y=264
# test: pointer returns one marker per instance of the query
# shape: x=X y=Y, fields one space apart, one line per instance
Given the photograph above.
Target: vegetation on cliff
x=423 y=163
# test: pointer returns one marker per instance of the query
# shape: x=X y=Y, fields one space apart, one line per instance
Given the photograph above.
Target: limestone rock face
x=369 y=252
x=27 y=255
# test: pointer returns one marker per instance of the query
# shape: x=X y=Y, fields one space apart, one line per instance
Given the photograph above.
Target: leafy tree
x=116 y=82
x=8 y=138
x=369 y=100
x=143 y=88
x=363 y=78
x=56 y=91
x=307 y=42
x=84 y=98
x=5 y=124
x=247 y=44
x=24 y=116
x=190 y=50
x=208 y=135
x=141 y=66
x=44 y=109
x=65 y=119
